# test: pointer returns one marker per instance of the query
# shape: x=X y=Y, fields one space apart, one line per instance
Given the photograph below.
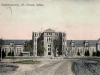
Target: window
x=49 y=33
x=35 y=34
x=48 y=49
x=49 y=45
x=18 y=50
x=49 y=53
x=47 y=39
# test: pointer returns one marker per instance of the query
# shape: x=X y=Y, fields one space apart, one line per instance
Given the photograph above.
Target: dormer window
x=86 y=44
x=12 y=45
x=49 y=33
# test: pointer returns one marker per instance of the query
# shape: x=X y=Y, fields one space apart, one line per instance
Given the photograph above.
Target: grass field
x=21 y=57
x=27 y=62
x=81 y=57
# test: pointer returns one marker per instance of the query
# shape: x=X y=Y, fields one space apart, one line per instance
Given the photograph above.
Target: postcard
x=49 y=37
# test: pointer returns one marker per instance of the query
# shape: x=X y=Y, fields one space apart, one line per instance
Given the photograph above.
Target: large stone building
x=14 y=46
x=46 y=38
x=81 y=46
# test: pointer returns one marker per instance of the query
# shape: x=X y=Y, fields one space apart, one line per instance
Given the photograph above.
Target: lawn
x=21 y=57
x=27 y=62
x=81 y=57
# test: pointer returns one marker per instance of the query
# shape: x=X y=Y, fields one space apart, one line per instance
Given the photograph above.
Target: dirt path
x=64 y=69
x=46 y=67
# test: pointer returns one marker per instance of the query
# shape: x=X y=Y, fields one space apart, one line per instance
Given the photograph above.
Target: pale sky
x=79 y=19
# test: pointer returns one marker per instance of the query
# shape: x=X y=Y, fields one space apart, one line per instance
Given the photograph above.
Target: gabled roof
x=17 y=42
x=92 y=42
x=76 y=42
x=81 y=42
x=49 y=30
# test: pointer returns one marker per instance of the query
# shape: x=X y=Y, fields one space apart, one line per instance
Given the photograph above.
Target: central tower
x=46 y=38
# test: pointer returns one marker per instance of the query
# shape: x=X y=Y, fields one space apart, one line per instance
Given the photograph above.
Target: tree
x=98 y=53
x=1 y=44
x=40 y=50
x=10 y=54
x=28 y=45
x=0 y=52
x=78 y=53
x=87 y=53
x=94 y=54
x=56 y=44
x=3 y=54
